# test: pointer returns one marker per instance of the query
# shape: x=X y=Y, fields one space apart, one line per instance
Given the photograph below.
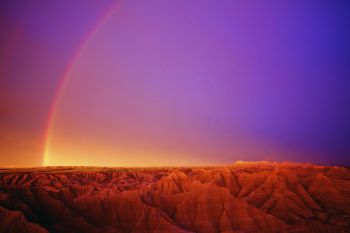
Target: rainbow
x=67 y=75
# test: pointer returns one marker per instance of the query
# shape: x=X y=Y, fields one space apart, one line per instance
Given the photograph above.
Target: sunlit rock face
x=243 y=197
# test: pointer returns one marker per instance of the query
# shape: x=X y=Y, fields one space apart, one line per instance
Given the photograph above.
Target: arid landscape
x=242 y=197
x=180 y=116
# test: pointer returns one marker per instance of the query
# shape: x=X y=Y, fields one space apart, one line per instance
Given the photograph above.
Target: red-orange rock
x=243 y=197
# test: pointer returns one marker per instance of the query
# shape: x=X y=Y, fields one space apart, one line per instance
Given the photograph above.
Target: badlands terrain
x=242 y=197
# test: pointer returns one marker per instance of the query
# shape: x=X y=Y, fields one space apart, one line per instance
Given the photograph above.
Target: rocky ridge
x=243 y=197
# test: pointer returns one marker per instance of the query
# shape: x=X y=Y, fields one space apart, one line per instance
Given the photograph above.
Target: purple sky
x=188 y=81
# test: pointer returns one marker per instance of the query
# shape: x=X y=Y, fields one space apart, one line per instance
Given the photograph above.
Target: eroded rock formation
x=243 y=197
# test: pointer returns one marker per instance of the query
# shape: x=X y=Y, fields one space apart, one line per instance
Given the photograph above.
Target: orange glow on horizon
x=108 y=155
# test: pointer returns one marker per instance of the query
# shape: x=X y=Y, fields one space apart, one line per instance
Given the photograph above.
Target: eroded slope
x=244 y=197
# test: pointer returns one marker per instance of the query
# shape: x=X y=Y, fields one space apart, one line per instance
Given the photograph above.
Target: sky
x=162 y=83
